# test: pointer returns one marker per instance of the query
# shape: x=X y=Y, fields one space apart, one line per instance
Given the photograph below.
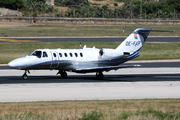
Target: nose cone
x=18 y=63
x=11 y=64
x=14 y=64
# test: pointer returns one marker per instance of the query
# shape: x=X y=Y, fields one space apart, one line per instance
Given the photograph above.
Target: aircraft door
x=54 y=63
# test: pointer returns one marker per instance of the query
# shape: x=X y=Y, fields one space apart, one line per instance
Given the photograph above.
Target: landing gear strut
x=62 y=73
x=25 y=76
x=99 y=75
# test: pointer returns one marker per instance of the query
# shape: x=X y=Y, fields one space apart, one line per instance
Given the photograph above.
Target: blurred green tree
x=12 y=4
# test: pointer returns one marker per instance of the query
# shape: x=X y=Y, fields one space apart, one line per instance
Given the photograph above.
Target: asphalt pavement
x=155 y=39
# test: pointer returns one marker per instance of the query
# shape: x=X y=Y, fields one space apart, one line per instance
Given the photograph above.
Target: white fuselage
x=66 y=59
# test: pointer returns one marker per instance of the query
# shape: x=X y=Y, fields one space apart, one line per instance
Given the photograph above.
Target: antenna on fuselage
x=80 y=44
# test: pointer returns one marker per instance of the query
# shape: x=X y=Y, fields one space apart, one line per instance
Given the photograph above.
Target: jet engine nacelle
x=112 y=53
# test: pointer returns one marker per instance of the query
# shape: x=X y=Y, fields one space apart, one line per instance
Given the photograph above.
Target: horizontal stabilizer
x=153 y=30
x=158 y=30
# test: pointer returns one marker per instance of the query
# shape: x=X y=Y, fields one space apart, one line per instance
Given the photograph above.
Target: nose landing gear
x=25 y=76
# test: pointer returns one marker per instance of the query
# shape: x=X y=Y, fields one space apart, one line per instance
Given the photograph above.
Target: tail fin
x=135 y=40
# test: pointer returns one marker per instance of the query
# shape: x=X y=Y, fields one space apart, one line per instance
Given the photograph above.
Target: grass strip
x=159 y=109
x=59 y=30
x=150 y=51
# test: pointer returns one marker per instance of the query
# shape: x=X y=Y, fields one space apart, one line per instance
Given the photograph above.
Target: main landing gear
x=99 y=75
x=25 y=76
x=62 y=73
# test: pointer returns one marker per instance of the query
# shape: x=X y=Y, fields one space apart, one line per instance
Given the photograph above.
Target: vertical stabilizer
x=134 y=41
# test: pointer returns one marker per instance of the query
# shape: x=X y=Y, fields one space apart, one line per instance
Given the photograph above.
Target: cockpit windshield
x=36 y=53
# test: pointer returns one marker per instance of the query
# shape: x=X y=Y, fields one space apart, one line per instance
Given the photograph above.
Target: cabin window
x=81 y=54
x=76 y=54
x=60 y=54
x=65 y=54
x=54 y=54
x=36 y=53
x=45 y=54
x=70 y=54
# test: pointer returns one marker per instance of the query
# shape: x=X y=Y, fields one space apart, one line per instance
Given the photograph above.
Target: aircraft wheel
x=63 y=74
x=25 y=77
x=100 y=75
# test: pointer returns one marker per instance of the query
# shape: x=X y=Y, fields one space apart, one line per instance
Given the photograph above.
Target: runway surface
x=130 y=83
x=84 y=39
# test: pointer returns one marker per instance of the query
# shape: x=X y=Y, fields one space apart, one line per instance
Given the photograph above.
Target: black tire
x=63 y=74
x=25 y=77
x=100 y=75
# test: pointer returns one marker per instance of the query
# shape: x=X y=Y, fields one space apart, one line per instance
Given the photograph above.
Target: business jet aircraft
x=85 y=60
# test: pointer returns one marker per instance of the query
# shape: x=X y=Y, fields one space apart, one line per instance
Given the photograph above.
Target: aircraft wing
x=104 y=68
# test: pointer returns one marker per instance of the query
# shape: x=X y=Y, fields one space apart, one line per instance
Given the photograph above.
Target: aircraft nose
x=17 y=63
x=12 y=64
x=22 y=63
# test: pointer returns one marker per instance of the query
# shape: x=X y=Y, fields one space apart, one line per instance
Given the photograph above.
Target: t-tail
x=134 y=42
x=130 y=47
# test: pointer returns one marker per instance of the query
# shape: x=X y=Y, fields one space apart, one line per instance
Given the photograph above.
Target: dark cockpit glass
x=36 y=53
